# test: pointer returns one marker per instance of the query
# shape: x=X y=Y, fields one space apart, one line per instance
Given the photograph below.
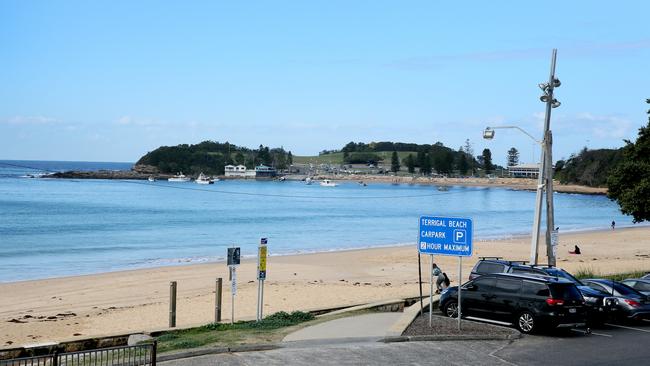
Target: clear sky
x=111 y=80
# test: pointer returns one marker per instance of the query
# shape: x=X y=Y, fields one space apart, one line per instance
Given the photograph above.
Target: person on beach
x=576 y=250
x=613 y=224
x=442 y=281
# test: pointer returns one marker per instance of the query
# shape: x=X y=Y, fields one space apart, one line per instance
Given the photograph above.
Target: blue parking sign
x=445 y=236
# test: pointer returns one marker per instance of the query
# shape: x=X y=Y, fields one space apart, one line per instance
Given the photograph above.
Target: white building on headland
x=524 y=170
x=235 y=171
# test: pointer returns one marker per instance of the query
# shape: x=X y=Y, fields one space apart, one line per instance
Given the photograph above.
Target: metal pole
x=232 y=295
x=460 y=282
x=534 y=240
x=550 y=216
x=430 y=289
x=172 y=304
x=262 y=301
x=217 y=300
x=420 y=281
x=548 y=159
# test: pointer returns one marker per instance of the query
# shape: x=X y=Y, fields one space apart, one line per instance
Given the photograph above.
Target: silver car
x=639 y=284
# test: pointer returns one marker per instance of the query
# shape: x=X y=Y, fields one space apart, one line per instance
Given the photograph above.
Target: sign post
x=261 y=276
x=446 y=236
x=234 y=255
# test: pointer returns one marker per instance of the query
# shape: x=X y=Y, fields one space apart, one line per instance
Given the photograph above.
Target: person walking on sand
x=441 y=279
x=613 y=224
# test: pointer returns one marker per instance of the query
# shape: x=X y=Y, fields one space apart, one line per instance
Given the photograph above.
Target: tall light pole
x=551 y=102
x=545 y=173
x=534 y=236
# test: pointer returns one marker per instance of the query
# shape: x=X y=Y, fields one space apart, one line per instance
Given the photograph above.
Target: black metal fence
x=139 y=355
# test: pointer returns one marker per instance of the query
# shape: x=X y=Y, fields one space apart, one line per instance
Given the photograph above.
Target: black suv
x=528 y=302
x=601 y=306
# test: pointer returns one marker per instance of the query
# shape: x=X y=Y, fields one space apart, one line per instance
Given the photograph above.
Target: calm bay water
x=59 y=227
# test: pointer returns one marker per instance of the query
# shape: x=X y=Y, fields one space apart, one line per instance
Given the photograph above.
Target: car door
x=506 y=298
x=476 y=297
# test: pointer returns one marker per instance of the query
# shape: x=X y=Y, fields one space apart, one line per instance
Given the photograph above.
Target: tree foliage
x=513 y=157
x=629 y=181
x=394 y=162
x=487 y=161
x=588 y=167
x=210 y=157
x=410 y=163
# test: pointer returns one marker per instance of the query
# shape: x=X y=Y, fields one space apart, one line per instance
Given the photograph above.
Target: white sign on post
x=233 y=283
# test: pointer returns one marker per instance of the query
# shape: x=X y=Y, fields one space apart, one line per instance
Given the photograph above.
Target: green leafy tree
x=629 y=182
x=461 y=162
x=425 y=169
x=487 y=161
x=410 y=163
x=394 y=162
x=513 y=157
x=290 y=158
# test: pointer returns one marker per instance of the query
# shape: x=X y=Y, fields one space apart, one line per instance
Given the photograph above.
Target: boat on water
x=151 y=178
x=327 y=183
x=214 y=179
x=202 y=179
x=443 y=188
x=180 y=177
x=308 y=180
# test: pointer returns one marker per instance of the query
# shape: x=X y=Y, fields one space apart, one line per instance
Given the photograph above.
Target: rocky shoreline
x=511 y=183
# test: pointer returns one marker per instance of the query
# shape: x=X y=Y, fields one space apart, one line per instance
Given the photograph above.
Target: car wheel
x=451 y=309
x=526 y=322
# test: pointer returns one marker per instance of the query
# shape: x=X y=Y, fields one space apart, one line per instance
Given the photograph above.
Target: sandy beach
x=130 y=301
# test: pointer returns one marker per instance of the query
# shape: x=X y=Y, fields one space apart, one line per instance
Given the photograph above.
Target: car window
x=489 y=267
x=519 y=270
x=484 y=284
x=566 y=291
x=624 y=290
x=642 y=286
x=598 y=287
x=508 y=285
x=530 y=288
x=629 y=283
x=564 y=274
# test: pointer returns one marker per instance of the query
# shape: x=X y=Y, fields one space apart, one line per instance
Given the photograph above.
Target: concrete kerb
x=215 y=350
x=407 y=318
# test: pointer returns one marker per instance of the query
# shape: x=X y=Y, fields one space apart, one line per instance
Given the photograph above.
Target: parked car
x=600 y=305
x=630 y=303
x=529 y=302
x=646 y=276
x=639 y=284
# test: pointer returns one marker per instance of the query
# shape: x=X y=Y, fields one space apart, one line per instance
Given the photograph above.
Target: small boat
x=151 y=178
x=179 y=178
x=308 y=180
x=202 y=179
x=214 y=179
x=362 y=183
x=443 y=188
x=327 y=183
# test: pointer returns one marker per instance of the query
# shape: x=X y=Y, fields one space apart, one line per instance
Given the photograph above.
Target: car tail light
x=553 y=302
x=632 y=303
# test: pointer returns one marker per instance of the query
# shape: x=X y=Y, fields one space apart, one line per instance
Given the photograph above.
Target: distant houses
x=524 y=170
x=240 y=171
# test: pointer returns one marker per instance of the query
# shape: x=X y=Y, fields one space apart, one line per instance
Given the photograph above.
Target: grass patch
x=590 y=272
x=271 y=329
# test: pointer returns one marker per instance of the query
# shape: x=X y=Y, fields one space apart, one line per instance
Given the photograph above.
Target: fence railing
x=139 y=355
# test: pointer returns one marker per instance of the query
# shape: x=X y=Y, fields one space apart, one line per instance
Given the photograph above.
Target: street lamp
x=545 y=173
x=488 y=134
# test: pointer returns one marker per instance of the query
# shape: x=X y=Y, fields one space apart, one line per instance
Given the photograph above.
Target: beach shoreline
x=57 y=309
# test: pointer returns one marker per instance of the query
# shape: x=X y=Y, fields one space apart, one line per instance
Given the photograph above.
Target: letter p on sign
x=460 y=236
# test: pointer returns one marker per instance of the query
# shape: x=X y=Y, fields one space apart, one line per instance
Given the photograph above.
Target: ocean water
x=59 y=227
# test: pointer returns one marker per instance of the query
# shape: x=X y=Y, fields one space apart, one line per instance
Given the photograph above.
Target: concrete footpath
x=360 y=326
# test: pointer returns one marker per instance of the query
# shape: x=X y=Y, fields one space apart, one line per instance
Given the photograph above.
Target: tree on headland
x=629 y=181
x=487 y=161
x=462 y=164
x=394 y=162
x=513 y=157
x=410 y=163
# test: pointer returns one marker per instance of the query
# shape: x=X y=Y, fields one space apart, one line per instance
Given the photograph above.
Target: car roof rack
x=520 y=262
x=484 y=258
x=544 y=265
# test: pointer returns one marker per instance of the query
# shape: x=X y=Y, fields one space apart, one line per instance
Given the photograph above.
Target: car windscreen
x=487 y=267
x=566 y=291
x=563 y=274
x=625 y=290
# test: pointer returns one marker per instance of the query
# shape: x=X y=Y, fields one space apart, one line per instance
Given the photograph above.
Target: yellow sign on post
x=261 y=261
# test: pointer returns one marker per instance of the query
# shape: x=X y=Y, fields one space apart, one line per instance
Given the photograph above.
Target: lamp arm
x=520 y=129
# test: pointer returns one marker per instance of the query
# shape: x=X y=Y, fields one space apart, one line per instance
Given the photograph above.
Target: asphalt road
x=609 y=345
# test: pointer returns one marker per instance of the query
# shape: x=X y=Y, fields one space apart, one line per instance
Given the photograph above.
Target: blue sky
x=111 y=80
